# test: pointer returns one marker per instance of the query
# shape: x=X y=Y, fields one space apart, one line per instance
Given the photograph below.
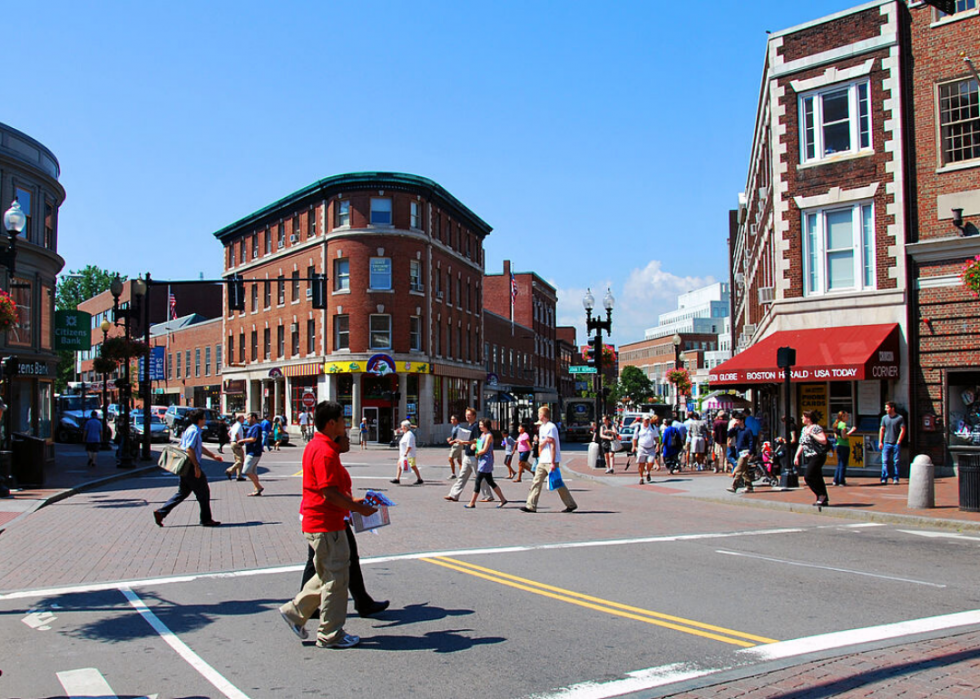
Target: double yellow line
x=696 y=628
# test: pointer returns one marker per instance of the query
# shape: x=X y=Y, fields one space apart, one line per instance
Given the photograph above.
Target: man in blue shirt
x=266 y=430
x=93 y=437
x=743 y=442
x=193 y=480
x=673 y=444
x=253 y=452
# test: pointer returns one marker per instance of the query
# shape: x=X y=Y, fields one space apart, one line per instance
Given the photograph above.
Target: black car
x=212 y=427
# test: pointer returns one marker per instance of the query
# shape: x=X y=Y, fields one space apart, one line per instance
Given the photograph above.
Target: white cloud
x=645 y=294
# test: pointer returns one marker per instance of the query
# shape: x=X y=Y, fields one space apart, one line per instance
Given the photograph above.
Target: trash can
x=969 y=478
x=28 y=463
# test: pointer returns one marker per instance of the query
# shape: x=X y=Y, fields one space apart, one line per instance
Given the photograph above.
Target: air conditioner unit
x=294 y=238
x=282 y=244
x=309 y=292
x=767 y=294
x=439 y=295
x=748 y=330
x=294 y=327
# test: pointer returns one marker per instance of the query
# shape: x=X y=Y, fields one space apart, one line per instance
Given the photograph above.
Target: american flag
x=513 y=288
x=173 y=307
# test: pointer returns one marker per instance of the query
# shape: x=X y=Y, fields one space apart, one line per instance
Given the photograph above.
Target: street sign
x=582 y=369
x=309 y=399
x=156 y=364
x=72 y=330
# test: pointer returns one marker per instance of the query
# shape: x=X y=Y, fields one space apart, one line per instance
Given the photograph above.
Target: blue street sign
x=157 y=358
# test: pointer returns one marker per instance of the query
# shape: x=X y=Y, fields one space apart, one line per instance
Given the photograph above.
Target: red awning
x=850 y=353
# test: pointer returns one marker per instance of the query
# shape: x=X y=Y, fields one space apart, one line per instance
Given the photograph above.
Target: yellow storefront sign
x=360 y=367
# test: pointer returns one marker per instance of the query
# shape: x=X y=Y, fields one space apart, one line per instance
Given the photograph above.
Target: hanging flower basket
x=681 y=379
x=971 y=275
x=119 y=349
x=8 y=312
x=104 y=365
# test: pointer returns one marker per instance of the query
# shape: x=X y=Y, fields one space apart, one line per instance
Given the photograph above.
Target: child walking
x=484 y=460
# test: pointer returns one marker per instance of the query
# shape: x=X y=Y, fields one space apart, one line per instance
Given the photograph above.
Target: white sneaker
x=295 y=628
x=345 y=641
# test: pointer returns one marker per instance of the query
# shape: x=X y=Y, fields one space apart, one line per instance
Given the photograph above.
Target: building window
x=49 y=212
x=255 y=345
x=281 y=287
x=838 y=249
x=255 y=298
x=268 y=293
x=255 y=246
x=295 y=339
x=241 y=250
x=241 y=347
x=207 y=361
x=380 y=273
x=197 y=361
x=310 y=271
x=449 y=289
x=187 y=364
x=22 y=294
x=415 y=275
x=959 y=121
x=341 y=214
x=380 y=332
x=268 y=241
x=295 y=281
x=281 y=235
x=24 y=197
x=341 y=332
x=310 y=336
x=415 y=215
x=381 y=212
x=415 y=333
x=960 y=6
x=178 y=365
x=835 y=121
x=311 y=224
x=266 y=343
x=341 y=274
x=297 y=231
x=217 y=359
x=280 y=341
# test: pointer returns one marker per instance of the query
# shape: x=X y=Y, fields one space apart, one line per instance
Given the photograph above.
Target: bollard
x=922 y=490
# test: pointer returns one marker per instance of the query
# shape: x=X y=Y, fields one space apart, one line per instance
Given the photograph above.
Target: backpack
x=675 y=442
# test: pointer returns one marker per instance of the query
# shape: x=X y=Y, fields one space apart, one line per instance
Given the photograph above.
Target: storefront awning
x=849 y=353
x=302 y=369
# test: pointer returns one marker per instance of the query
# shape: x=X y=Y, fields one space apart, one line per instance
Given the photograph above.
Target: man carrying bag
x=192 y=480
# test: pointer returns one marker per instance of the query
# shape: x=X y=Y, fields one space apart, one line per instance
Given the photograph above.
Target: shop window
x=341 y=274
x=835 y=121
x=959 y=120
x=341 y=332
x=963 y=399
x=380 y=279
x=412 y=398
x=341 y=214
x=838 y=249
x=21 y=411
x=380 y=332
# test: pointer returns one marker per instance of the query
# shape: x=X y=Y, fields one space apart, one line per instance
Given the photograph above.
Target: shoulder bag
x=174 y=459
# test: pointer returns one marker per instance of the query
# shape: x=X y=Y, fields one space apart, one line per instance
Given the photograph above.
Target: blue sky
x=604 y=142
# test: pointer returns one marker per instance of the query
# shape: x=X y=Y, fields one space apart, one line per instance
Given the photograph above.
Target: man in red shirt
x=326 y=502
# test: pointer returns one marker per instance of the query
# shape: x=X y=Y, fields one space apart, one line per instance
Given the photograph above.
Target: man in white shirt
x=406 y=454
x=646 y=438
x=304 y=424
x=236 y=434
x=549 y=457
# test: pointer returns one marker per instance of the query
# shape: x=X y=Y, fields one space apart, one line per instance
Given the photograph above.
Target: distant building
x=701 y=312
x=194 y=359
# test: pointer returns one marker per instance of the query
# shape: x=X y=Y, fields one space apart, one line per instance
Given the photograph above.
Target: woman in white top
x=406 y=454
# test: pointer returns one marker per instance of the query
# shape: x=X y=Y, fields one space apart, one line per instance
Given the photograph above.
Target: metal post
x=125 y=458
x=788 y=478
x=105 y=402
x=147 y=384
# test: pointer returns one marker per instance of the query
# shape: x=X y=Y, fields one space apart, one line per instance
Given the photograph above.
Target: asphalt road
x=637 y=591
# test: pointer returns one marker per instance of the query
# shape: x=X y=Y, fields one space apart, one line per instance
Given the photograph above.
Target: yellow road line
x=299 y=473
x=684 y=625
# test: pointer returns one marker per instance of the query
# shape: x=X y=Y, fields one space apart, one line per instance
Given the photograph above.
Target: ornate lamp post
x=598 y=325
x=14 y=221
x=126 y=390
x=105 y=380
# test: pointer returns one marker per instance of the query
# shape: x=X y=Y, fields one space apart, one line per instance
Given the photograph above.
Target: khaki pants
x=743 y=473
x=540 y=478
x=327 y=589
x=238 y=451
x=465 y=471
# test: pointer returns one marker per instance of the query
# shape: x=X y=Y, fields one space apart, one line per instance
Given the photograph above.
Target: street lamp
x=126 y=390
x=14 y=221
x=598 y=325
x=105 y=403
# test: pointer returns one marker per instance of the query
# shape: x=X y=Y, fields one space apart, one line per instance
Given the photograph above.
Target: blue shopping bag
x=554 y=479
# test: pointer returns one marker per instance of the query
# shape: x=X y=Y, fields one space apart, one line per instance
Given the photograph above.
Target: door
x=371 y=416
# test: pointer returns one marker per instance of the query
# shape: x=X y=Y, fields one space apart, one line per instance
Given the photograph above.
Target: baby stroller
x=766 y=466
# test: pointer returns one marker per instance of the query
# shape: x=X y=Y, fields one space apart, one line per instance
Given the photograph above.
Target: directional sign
x=581 y=369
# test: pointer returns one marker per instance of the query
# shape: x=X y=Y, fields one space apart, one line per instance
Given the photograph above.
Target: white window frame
x=371 y=274
x=415 y=275
x=415 y=215
x=375 y=321
x=381 y=206
x=942 y=127
x=342 y=214
x=415 y=333
x=815 y=252
x=341 y=274
x=339 y=332
x=859 y=123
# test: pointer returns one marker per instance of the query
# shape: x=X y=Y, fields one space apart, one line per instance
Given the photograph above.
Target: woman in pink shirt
x=523 y=453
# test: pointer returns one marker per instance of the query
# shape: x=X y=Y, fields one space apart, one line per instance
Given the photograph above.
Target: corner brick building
x=944 y=322
x=817 y=245
x=402 y=332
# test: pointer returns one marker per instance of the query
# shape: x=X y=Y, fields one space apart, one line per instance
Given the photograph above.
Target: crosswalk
x=88 y=683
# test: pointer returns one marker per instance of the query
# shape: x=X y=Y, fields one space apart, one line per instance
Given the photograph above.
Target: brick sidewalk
x=942 y=667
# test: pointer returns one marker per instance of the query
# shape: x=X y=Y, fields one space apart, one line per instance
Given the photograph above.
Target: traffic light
x=319 y=290
x=236 y=294
x=591 y=354
x=9 y=367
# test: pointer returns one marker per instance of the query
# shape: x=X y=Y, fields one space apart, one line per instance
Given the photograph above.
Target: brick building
x=533 y=307
x=402 y=331
x=568 y=355
x=944 y=322
x=817 y=245
x=194 y=354
x=510 y=361
x=659 y=355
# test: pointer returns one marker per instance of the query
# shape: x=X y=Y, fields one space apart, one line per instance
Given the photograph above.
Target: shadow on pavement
x=838 y=687
x=448 y=641
x=417 y=613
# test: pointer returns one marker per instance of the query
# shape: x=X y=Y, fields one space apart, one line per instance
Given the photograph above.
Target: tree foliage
x=634 y=385
x=77 y=286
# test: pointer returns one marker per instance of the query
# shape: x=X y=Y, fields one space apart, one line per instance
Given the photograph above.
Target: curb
x=80 y=488
x=838 y=512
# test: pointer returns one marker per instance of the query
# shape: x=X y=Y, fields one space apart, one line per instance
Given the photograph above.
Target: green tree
x=634 y=385
x=74 y=287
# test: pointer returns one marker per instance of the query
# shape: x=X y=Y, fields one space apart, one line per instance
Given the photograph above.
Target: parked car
x=176 y=418
x=210 y=431
x=71 y=413
x=159 y=410
x=159 y=432
x=114 y=410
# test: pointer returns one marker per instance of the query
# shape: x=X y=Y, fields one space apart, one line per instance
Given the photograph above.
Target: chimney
x=506 y=268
